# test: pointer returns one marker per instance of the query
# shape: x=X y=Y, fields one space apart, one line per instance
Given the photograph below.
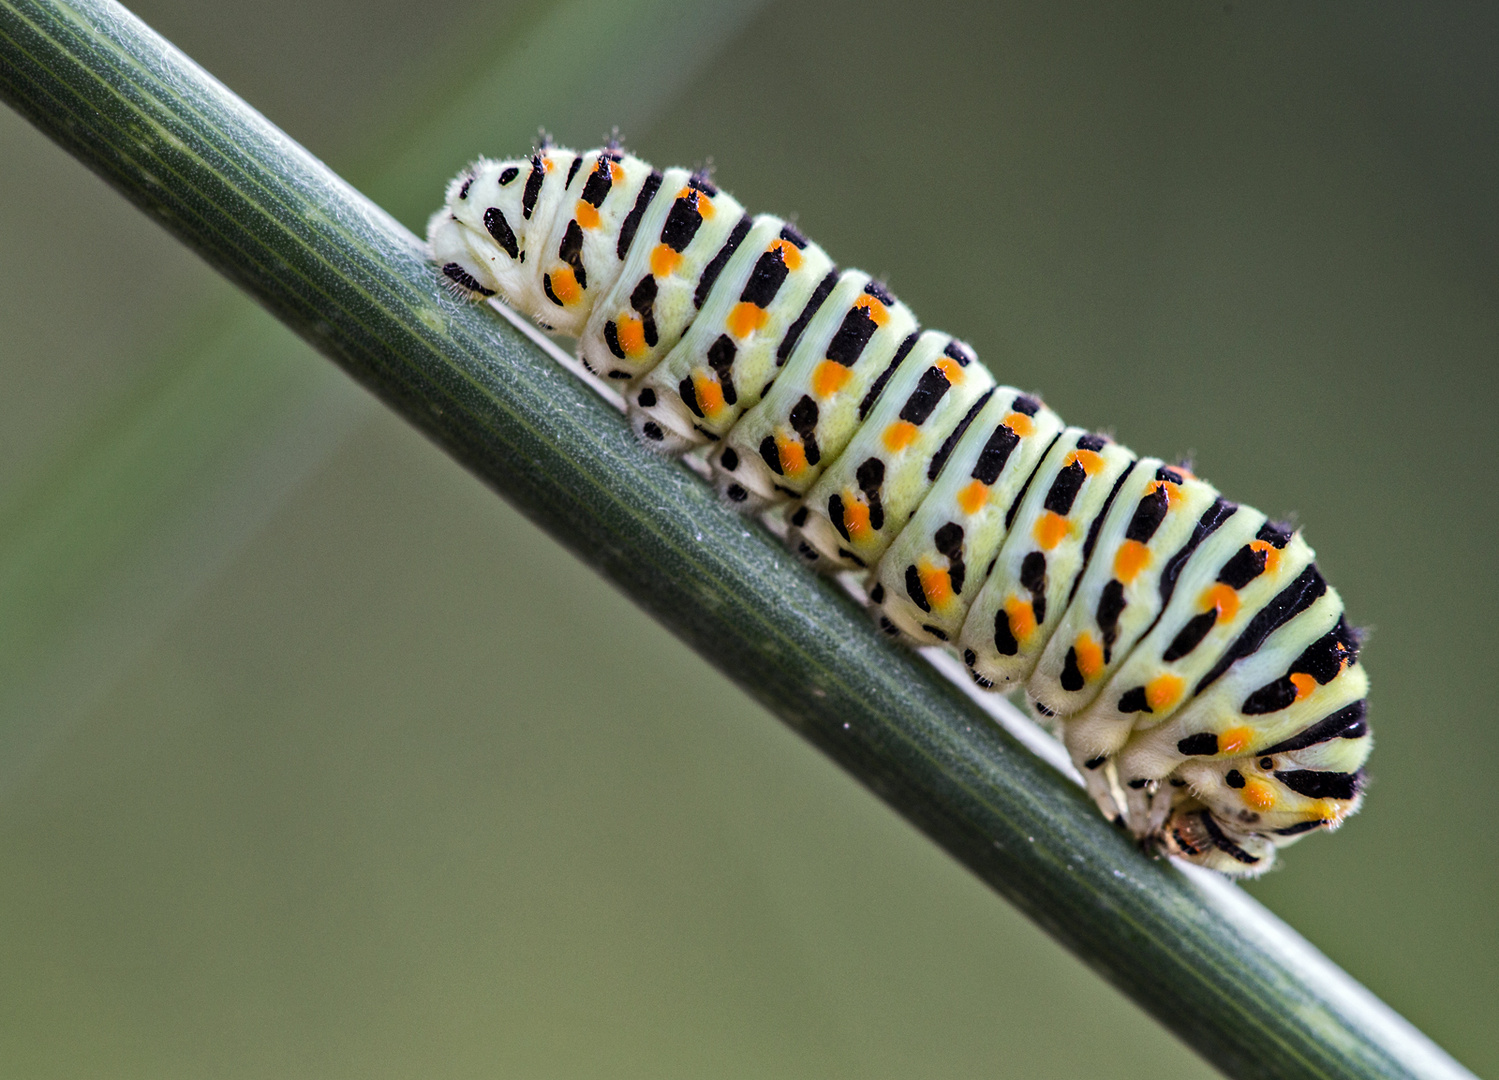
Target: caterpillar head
x=497 y=215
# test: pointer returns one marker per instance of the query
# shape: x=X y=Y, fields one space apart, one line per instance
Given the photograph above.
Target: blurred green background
x=345 y=770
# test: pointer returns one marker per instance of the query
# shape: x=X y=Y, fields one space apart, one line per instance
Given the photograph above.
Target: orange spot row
x=951 y=370
x=1090 y=460
x=791 y=256
x=1130 y=559
x=1089 y=655
x=1022 y=617
x=873 y=308
x=855 y=516
x=973 y=497
x=1303 y=683
x=631 y=332
x=1272 y=554
x=937 y=584
x=1051 y=529
x=900 y=435
x=829 y=378
x=587 y=215
x=664 y=261
x=1162 y=692
x=1223 y=598
x=709 y=393
x=745 y=319
x=793 y=455
x=1173 y=492
x=565 y=285
x=1258 y=794
x=1019 y=423
x=1235 y=740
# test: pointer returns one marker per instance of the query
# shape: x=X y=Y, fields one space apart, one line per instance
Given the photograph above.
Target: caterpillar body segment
x=925 y=401
x=1195 y=663
x=1052 y=534
x=932 y=570
x=731 y=354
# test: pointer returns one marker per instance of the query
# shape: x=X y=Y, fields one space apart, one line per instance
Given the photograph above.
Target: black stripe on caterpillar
x=1194 y=662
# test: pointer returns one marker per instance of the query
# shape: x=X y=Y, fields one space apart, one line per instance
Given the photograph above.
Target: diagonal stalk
x=1205 y=960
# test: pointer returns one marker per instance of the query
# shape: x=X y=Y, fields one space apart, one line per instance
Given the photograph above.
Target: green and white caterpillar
x=1195 y=663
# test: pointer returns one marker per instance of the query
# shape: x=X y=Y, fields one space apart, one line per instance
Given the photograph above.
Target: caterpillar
x=1185 y=648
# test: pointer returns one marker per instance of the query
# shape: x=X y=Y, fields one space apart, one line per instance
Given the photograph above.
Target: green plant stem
x=1201 y=957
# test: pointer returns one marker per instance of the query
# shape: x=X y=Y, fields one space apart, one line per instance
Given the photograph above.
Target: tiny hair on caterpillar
x=1185 y=648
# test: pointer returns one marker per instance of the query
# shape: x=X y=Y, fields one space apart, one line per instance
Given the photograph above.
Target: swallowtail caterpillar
x=1185 y=648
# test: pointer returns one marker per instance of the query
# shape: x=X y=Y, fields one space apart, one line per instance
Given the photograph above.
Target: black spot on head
x=799 y=517
x=508 y=175
x=1234 y=778
x=936 y=631
x=970 y=657
x=647 y=398
x=729 y=459
x=615 y=373
x=1138 y=785
x=653 y=431
x=736 y=493
x=877 y=594
x=1094 y=762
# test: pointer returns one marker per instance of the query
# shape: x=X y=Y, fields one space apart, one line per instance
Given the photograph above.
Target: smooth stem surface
x=1203 y=959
